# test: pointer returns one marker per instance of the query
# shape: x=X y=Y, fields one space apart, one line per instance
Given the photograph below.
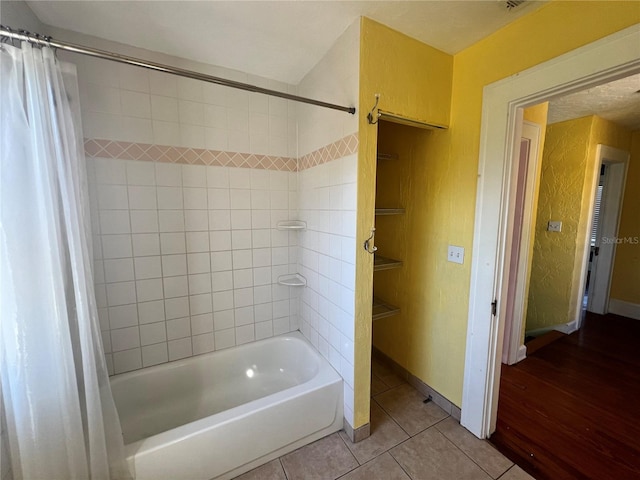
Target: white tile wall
x=179 y=271
x=221 y=259
x=327 y=260
x=327 y=202
x=132 y=104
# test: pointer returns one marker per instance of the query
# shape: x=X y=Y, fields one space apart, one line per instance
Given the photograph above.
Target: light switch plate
x=455 y=254
x=554 y=226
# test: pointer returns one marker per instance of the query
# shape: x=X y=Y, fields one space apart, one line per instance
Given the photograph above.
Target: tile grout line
x=465 y=453
x=350 y=452
x=398 y=463
x=390 y=416
x=282 y=467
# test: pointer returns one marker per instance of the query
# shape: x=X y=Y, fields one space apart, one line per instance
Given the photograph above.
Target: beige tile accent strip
x=197 y=156
x=338 y=149
x=189 y=156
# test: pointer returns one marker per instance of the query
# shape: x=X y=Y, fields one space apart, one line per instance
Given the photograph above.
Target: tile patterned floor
x=409 y=440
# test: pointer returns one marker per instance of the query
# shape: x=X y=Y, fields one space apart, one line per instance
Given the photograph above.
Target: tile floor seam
x=282 y=467
x=399 y=464
x=397 y=423
x=507 y=471
x=349 y=450
x=396 y=460
x=470 y=458
x=359 y=465
x=390 y=416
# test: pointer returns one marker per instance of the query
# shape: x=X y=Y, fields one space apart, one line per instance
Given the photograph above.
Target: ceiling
x=617 y=101
x=281 y=40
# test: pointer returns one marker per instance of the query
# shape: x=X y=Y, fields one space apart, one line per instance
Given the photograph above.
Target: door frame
x=513 y=349
x=613 y=57
x=617 y=162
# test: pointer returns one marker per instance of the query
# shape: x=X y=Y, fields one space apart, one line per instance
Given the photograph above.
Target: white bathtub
x=221 y=414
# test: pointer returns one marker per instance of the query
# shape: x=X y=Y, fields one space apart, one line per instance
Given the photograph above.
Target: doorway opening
x=608 y=59
x=613 y=165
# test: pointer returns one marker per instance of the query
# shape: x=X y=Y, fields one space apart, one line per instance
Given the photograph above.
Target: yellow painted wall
x=566 y=191
x=409 y=182
x=414 y=80
x=625 y=281
x=542 y=35
x=562 y=183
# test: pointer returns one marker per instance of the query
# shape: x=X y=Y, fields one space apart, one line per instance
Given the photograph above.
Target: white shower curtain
x=61 y=418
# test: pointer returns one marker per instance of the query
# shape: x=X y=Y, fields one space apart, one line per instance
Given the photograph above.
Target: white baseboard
x=568 y=328
x=562 y=327
x=522 y=353
x=625 y=309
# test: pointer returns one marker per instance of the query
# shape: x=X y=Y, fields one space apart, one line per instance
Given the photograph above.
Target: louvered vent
x=596 y=216
x=511 y=4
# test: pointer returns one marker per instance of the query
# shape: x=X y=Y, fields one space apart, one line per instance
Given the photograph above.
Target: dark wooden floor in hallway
x=571 y=410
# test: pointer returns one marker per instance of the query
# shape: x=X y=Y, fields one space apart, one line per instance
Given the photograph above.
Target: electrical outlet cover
x=554 y=226
x=455 y=254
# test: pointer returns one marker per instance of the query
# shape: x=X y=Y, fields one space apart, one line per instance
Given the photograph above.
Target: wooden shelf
x=389 y=211
x=383 y=310
x=384 y=263
x=387 y=156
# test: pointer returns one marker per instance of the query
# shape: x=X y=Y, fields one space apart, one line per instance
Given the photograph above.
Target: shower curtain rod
x=158 y=67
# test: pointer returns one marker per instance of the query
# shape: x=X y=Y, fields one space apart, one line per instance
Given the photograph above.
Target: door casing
x=613 y=57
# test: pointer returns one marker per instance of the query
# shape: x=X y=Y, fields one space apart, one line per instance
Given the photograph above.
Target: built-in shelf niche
x=382 y=309
x=384 y=263
x=292 y=225
x=389 y=211
x=292 y=280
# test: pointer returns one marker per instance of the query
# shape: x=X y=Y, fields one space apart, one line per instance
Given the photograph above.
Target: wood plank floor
x=571 y=410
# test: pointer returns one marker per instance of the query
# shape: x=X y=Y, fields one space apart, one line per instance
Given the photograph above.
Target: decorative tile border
x=189 y=156
x=199 y=156
x=338 y=149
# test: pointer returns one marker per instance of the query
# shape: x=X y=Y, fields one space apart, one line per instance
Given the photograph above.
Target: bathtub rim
x=324 y=376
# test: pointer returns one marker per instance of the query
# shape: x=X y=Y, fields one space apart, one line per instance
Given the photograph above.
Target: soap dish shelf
x=292 y=225
x=292 y=280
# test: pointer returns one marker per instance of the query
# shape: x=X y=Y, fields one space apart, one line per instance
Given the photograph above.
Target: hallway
x=570 y=409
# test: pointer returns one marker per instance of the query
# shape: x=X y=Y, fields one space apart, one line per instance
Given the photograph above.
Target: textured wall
x=565 y=194
x=410 y=182
x=414 y=80
x=554 y=29
x=563 y=180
